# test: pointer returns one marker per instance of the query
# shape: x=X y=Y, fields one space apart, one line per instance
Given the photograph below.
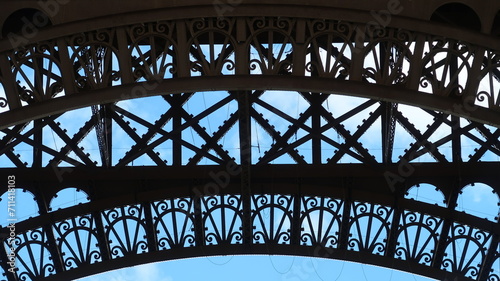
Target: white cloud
x=150 y=272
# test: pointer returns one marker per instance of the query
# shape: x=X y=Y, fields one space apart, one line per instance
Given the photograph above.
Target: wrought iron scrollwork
x=37 y=72
x=174 y=223
x=77 y=240
x=3 y=102
x=222 y=219
x=33 y=257
x=153 y=51
x=489 y=88
x=265 y=45
x=320 y=221
x=94 y=59
x=445 y=66
x=388 y=57
x=418 y=237
x=465 y=250
x=329 y=51
x=272 y=218
x=271 y=46
x=212 y=47
x=125 y=230
x=177 y=223
x=369 y=227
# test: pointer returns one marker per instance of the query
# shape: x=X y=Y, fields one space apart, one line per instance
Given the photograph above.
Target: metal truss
x=177 y=208
x=128 y=62
x=54 y=74
x=317 y=127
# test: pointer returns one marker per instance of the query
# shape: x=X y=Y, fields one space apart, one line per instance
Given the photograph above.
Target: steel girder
x=427 y=65
x=448 y=63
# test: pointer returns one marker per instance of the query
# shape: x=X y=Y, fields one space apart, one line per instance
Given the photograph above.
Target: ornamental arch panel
x=195 y=134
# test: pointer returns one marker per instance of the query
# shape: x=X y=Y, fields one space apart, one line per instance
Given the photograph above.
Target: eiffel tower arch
x=199 y=128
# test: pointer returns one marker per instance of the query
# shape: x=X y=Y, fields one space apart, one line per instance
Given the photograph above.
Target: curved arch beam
x=237 y=82
x=409 y=61
x=245 y=10
x=418 y=53
x=334 y=191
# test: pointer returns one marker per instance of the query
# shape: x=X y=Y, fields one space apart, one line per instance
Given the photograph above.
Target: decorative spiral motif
x=494 y=277
x=163 y=27
x=138 y=30
x=423 y=232
x=259 y=22
x=483 y=95
x=319 y=25
x=3 y=102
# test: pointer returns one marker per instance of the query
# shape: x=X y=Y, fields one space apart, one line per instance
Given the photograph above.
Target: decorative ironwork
x=93 y=55
x=418 y=237
x=272 y=215
x=125 y=230
x=321 y=220
x=369 y=227
x=271 y=45
x=166 y=50
x=34 y=257
x=152 y=51
x=466 y=250
x=174 y=221
x=38 y=73
x=77 y=240
x=178 y=224
x=330 y=49
x=242 y=60
x=489 y=89
x=218 y=59
x=444 y=65
x=222 y=219
x=388 y=56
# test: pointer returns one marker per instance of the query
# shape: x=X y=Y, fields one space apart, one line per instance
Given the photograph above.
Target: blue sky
x=264 y=268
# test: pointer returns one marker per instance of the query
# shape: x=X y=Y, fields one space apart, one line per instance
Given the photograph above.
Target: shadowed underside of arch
x=243 y=204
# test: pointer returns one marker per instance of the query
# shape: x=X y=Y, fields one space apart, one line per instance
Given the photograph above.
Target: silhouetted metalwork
x=314 y=206
x=325 y=213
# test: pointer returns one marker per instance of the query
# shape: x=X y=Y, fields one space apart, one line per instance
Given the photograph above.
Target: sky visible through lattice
x=478 y=200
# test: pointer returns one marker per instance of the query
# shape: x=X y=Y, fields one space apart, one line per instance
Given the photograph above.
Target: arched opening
x=25 y=22
x=480 y=200
x=426 y=193
x=495 y=29
x=16 y=206
x=68 y=197
x=457 y=14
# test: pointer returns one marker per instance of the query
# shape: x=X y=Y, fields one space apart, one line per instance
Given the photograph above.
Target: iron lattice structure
x=318 y=190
